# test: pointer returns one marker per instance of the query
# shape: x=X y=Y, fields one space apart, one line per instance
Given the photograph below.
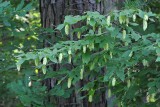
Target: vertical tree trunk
x=52 y=14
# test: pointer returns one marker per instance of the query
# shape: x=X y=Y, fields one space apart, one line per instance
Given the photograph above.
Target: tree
x=52 y=14
x=13 y=23
x=85 y=57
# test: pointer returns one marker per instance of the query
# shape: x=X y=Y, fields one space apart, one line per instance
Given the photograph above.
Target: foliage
x=16 y=36
x=118 y=52
x=135 y=4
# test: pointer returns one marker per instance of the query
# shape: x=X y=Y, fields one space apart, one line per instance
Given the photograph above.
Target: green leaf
x=53 y=59
x=20 y=6
x=88 y=86
x=6 y=22
x=86 y=58
x=109 y=73
x=57 y=91
x=158 y=59
x=120 y=74
x=158 y=51
x=151 y=84
x=28 y=7
x=19 y=63
x=135 y=36
x=152 y=90
x=4 y=4
x=92 y=22
x=30 y=55
x=72 y=19
x=26 y=100
x=130 y=94
x=60 y=27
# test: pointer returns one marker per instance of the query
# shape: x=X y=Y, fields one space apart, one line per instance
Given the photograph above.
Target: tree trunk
x=52 y=14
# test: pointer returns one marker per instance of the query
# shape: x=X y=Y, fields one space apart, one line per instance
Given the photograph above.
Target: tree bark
x=52 y=14
x=54 y=11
